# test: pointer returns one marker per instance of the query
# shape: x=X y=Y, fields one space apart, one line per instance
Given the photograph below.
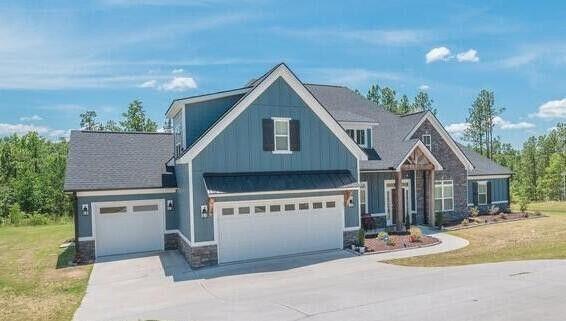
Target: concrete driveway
x=325 y=286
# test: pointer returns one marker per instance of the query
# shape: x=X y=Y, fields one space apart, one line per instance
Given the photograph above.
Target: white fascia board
x=177 y=104
x=286 y=192
x=428 y=154
x=127 y=192
x=480 y=177
x=444 y=134
x=283 y=72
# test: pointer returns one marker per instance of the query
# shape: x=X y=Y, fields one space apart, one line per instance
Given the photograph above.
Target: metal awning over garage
x=228 y=184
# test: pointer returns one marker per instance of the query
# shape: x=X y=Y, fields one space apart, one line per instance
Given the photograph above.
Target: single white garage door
x=128 y=227
x=251 y=230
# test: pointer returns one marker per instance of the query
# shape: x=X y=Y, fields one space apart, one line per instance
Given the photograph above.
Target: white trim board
x=424 y=150
x=127 y=192
x=281 y=71
x=444 y=134
x=484 y=177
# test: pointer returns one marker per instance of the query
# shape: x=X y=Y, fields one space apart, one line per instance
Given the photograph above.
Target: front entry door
x=390 y=199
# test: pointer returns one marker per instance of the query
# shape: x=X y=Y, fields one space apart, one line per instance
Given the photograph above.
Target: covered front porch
x=401 y=196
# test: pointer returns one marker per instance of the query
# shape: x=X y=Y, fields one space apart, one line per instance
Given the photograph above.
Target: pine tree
x=423 y=102
x=135 y=119
x=374 y=94
x=389 y=99
x=404 y=105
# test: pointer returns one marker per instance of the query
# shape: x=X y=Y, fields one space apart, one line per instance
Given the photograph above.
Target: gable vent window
x=281 y=135
x=359 y=136
x=427 y=141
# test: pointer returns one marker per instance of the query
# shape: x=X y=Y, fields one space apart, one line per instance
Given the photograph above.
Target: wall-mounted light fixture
x=203 y=210
x=170 y=205
x=84 y=209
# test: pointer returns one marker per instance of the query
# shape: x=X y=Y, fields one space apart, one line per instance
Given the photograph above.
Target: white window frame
x=178 y=139
x=443 y=198
x=275 y=135
x=354 y=133
x=364 y=191
x=482 y=183
x=429 y=145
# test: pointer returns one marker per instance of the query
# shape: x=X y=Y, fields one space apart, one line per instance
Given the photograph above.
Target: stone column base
x=198 y=256
x=85 y=251
x=171 y=241
x=349 y=238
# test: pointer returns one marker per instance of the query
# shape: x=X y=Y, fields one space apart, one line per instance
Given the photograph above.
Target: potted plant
x=361 y=240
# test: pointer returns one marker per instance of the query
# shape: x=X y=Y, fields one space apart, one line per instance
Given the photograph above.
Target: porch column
x=399 y=226
x=430 y=194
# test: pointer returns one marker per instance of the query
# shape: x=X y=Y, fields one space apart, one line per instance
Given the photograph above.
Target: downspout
x=76 y=220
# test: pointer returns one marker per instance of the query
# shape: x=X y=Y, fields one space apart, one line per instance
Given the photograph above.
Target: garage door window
x=259 y=209
x=113 y=210
x=228 y=211
x=243 y=210
x=330 y=204
x=274 y=208
x=289 y=207
x=303 y=206
x=317 y=205
x=145 y=208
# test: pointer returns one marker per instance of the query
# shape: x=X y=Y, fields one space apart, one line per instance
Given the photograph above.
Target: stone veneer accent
x=420 y=196
x=349 y=238
x=85 y=251
x=198 y=256
x=453 y=170
x=171 y=241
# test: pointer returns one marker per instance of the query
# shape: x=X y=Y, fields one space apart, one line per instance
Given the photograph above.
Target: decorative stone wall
x=349 y=238
x=199 y=256
x=420 y=198
x=453 y=170
x=85 y=251
x=171 y=241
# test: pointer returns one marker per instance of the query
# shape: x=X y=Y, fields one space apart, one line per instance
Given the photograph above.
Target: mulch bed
x=376 y=245
x=487 y=219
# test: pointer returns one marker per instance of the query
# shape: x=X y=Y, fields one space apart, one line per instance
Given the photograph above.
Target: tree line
x=386 y=97
x=32 y=168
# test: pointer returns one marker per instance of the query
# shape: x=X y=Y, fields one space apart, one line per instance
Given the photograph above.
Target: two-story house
x=274 y=168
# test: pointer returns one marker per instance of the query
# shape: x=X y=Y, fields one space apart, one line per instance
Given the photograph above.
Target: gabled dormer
x=360 y=132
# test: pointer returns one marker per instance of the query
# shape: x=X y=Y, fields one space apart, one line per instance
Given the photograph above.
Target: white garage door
x=251 y=230
x=128 y=227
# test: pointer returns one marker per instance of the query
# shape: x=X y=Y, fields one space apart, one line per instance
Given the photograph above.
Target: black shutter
x=488 y=192
x=268 y=135
x=295 y=135
x=475 y=192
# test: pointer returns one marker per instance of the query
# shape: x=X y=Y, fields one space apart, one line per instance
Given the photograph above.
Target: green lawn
x=35 y=281
x=541 y=238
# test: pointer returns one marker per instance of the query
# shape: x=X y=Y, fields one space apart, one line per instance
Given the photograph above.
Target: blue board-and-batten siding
x=239 y=148
x=85 y=221
x=376 y=189
x=499 y=191
x=183 y=197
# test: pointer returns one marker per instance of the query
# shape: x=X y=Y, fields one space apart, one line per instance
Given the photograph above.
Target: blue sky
x=59 y=58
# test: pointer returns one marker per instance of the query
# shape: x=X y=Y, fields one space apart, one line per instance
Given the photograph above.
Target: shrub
x=474 y=212
x=537 y=213
x=382 y=235
x=15 y=214
x=465 y=222
x=361 y=237
x=494 y=210
x=416 y=234
x=37 y=219
x=438 y=217
x=390 y=242
x=523 y=204
x=503 y=216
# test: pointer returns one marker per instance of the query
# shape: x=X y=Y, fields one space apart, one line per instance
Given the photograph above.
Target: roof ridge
x=119 y=132
x=325 y=85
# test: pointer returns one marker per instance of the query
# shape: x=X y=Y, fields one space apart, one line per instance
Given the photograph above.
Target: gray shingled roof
x=483 y=165
x=230 y=183
x=109 y=160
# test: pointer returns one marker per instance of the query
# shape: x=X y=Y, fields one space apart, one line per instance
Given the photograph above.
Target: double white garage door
x=128 y=227
x=260 y=229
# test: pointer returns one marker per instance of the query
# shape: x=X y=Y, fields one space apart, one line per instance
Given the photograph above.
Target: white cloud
x=424 y=87
x=552 y=109
x=457 y=129
x=505 y=124
x=179 y=84
x=22 y=129
x=436 y=54
x=468 y=56
x=148 y=84
x=31 y=118
x=177 y=71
